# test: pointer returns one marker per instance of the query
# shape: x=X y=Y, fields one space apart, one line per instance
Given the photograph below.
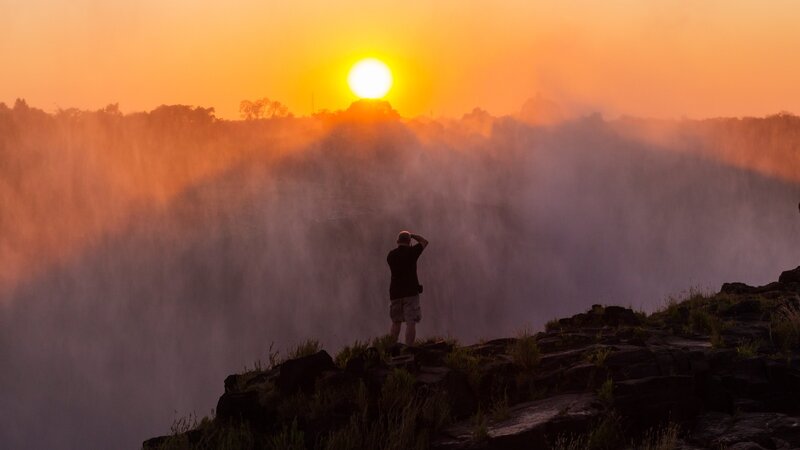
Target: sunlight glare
x=370 y=78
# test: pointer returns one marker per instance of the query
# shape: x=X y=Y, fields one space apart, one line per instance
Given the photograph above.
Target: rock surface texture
x=711 y=371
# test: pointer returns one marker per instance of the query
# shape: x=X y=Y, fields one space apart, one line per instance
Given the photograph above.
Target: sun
x=370 y=78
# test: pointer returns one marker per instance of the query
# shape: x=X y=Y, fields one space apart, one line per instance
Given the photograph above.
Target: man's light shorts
x=405 y=309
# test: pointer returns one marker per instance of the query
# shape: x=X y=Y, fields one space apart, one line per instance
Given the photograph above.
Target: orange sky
x=653 y=58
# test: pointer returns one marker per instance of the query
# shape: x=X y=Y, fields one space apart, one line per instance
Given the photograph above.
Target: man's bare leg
x=411 y=333
x=395 y=330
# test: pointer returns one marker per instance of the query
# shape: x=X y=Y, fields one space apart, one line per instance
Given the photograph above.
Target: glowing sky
x=654 y=58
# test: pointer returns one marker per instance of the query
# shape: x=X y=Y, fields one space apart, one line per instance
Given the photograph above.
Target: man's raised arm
x=420 y=239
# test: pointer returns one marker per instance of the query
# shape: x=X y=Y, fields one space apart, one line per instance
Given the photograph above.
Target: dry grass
x=662 y=438
x=525 y=351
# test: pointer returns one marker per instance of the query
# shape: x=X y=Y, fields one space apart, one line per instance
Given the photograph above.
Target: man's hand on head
x=420 y=239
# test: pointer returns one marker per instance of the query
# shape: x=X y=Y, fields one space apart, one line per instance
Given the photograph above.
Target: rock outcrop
x=713 y=371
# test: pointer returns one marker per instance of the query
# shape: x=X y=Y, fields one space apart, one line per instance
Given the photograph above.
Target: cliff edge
x=710 y=371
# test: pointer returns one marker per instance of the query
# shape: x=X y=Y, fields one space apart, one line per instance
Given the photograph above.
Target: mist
x=146 y=256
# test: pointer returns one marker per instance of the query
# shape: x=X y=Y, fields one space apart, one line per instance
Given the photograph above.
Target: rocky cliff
x=711 y=371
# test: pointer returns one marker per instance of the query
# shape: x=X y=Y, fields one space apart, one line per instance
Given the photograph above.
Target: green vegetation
x=290 y=438
x=405 y=419
x=552 y=325
x=785 y=326
x=500 y=409
x=349 y=352
x=640 y=333
x=382 y=344
x=212 y=436
x=305 y=348
x=404 y=411
x=606 y=392
x=748 y=349
x=569 y=442
x=698 y=313
x=660 y=438
x=598 y=356
x=480 y=431
x=607 y=434
x=464 y=360
x=524 y=351
x=397 y=391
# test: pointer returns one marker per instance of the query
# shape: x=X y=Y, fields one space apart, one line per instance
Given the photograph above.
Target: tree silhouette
x=263 y=108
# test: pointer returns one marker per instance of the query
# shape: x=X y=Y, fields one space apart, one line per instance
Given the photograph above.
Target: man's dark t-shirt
x=403 y=262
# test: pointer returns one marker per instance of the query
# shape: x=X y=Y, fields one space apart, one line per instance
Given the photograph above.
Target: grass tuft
x=290 y=438
x=785 y=326
x=552 y=325
x=464 y=360
x=480 y=431
x=598 y=356
x=748 y=349
x=660 y=438
x=606 y=392
x=525 y=351
x=349 y=352
x=305 y=348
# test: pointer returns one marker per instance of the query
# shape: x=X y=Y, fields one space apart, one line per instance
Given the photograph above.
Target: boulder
x=768 y=290
x=746 y=430
x=430 y=354
x=650 y=401
x=240 y=406
x=531 y=425
x=239 y=382
x=302 y=373
x=407 y=362
x=616 y=315
x=737 y=289
x=790 y=276
x=748 y=309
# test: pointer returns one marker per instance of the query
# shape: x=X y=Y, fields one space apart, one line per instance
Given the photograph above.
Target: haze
x=153 y=241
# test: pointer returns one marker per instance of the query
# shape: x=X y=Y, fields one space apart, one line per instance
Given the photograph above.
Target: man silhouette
x=404 y=289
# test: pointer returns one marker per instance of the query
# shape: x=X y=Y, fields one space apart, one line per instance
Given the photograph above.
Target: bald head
x=404 y=238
